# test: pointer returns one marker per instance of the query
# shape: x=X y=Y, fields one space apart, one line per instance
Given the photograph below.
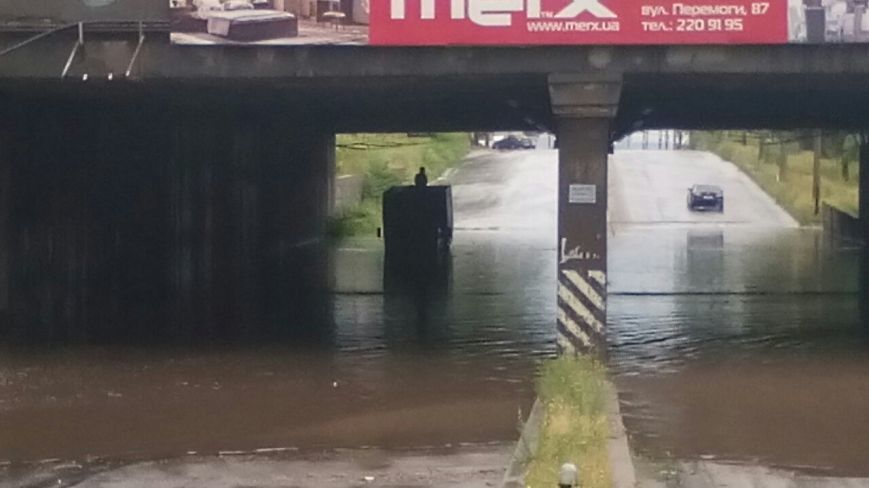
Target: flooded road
x=732 y=337
x=394 y=365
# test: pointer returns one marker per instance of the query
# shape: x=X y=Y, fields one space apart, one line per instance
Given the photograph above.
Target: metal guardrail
x=94 y=26
x=136 y=52
x=97 y=27
x=108 y=26
x=31 y=40
x=78 y=44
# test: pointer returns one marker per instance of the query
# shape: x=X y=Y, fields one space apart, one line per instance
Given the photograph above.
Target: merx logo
x=499 y=13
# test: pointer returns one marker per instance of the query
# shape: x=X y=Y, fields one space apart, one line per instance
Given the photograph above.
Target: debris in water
x=230 y=453
x=263 y=450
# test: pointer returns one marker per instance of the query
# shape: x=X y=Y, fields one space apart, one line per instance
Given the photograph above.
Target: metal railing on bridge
x=139 y=27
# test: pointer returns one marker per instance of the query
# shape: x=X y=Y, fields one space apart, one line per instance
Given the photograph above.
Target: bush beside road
x=385 y=160
x=784 y=171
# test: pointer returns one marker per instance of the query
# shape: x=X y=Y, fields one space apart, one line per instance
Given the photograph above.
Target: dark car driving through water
x=706 y=197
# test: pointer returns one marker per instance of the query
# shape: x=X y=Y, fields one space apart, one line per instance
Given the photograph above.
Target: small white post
x=568 y=476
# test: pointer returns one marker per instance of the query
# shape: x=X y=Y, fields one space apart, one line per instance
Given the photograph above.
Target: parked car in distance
x=706 y=197
x=512 y=142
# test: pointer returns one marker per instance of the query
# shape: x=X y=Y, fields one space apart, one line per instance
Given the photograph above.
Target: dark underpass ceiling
x=476 y=103
x=744 y=102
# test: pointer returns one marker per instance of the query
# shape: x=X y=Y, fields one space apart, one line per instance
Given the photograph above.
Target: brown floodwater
x=734 y=342
x=441 y=361
x=751 y=350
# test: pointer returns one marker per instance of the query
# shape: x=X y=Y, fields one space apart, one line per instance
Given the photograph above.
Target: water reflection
x=704 y=258
x=752 y=351
x=439 y=354
x=417 y=286
x=284 y=300
x=734 y=341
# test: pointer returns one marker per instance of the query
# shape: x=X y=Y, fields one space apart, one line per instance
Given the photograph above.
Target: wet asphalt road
x=647 y=185
x=513 y=192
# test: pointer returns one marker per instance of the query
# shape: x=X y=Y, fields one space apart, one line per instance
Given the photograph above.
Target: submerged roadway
x=730 y=336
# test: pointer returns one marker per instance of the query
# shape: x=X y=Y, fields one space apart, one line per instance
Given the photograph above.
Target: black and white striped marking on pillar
x=581 y=310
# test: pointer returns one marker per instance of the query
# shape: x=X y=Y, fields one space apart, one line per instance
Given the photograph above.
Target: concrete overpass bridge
x=143 y=173
x=427 y=88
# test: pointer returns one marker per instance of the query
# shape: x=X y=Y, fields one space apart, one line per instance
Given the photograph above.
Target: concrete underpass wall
x=131 y=222
x=840 y=227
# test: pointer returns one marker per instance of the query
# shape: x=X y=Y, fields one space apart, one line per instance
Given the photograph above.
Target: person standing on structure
x=420 y=180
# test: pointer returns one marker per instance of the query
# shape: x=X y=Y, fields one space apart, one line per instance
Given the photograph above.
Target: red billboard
x=517 y=22
x=535 y=22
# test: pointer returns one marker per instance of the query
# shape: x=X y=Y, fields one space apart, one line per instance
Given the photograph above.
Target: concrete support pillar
x=7 y=129
x=816 y=170
x=863 y=186
x=584 y=109
x=330 y=163
x=863 y=206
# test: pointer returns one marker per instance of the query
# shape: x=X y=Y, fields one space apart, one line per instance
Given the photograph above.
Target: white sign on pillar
x=582 y=194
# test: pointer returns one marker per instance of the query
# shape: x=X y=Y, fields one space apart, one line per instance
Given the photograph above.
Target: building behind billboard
x=38 y=14
x=465 y=22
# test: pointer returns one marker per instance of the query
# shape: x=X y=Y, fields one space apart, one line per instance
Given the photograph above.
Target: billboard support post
x=79 y=42
x=136 y=51
x=816 y=170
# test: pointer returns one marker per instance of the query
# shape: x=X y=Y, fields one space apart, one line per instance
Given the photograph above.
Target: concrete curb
x=624 y=474
x=619 y=453
x=449 y=172
x=526 y=446
x=446 y=175
x=477 y=152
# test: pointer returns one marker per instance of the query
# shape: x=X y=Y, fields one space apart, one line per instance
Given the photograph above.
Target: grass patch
x=386 y=160
x=360 y=219
x=791 y=188
x=399 y=154
x=575 y=427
